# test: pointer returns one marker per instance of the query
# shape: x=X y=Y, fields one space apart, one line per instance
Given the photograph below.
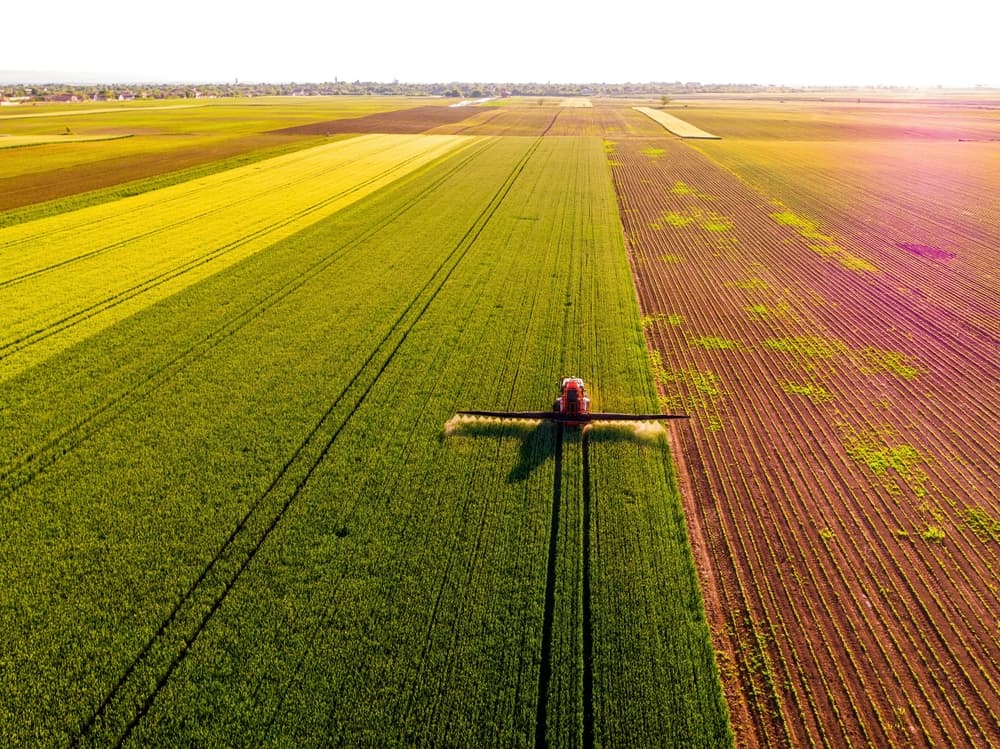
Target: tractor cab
x=572 y=401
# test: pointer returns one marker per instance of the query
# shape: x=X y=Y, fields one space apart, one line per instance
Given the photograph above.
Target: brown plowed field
x=27 y=189
x=531 y=118
x=842 y=461
x=401 y=121
x=519 y=119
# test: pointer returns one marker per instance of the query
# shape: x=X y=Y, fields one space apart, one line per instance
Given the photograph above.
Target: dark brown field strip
x=29 y=189
x=836 y=619
x=402 y=121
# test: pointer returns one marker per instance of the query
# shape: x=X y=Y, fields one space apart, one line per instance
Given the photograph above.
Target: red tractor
x=572 y=401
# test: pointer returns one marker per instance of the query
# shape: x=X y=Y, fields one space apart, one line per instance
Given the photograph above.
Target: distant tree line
x=465 y=90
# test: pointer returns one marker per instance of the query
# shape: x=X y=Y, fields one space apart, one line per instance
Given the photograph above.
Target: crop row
x=817 y=465
x=878 y=198
x=898 y=451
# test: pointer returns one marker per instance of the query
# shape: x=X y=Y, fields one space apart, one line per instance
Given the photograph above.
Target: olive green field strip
x=192 y=122
x=244 y=523
x=65 y=277
x=845 y=403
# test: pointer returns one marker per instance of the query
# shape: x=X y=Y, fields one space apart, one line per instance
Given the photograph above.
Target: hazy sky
x=903 y=42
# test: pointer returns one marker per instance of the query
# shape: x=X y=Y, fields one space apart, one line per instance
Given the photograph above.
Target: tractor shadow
x=537 y=445
x=538 y=440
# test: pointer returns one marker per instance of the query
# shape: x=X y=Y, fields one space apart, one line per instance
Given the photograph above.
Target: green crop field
x=232 y=511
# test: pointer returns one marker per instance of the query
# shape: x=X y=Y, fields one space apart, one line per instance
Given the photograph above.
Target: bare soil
x=29 y=189
x=402 y=121
x=817 y=462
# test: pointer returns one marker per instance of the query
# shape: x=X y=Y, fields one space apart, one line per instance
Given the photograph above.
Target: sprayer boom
x=563 y=419
x=572 y=407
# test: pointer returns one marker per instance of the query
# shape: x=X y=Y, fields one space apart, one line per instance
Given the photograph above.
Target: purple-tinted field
x=819 y=289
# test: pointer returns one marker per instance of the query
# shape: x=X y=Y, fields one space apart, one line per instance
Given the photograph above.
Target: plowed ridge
x=66 y=277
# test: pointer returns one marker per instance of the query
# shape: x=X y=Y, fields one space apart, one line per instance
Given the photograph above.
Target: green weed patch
x=889 y=460
x=821 y=243
x=715 y=342
x=812 y=391
x=878 y=360
x=983 y=524
x=810 y=347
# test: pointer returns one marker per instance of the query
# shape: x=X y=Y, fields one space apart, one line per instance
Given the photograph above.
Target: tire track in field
x=586 y=622
x=545 y=669
x=130 y=699
x=318 y=632
x=488 y=120
x=16 y=345
x=469 y=239
x=552 y=122
x=27 y=466
x=588 y=631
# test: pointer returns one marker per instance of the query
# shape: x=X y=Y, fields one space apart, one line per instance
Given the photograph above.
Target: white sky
x=899 y=42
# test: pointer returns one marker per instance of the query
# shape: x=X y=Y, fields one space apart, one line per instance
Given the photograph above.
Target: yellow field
x=65 y=277
x=675 y=125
